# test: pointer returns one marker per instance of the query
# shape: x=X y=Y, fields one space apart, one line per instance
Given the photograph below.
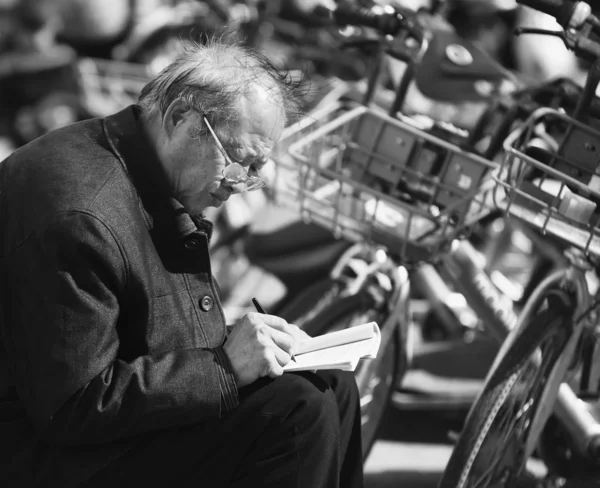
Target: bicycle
x=540 y=396
x=371 y=280
x=439 y=263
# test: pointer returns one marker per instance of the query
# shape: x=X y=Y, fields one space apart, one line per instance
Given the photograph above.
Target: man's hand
x=299 y=334
x=260 y=345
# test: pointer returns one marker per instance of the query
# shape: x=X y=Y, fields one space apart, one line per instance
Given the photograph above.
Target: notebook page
x=375 y=342
x=335 y=357
x=345 y=336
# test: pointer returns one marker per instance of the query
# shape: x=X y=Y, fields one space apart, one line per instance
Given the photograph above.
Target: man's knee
x=343 y=385
x=305 y=398
x=302 y=399
x=311 y=401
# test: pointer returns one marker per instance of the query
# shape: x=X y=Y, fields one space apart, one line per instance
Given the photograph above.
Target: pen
x=259 y=309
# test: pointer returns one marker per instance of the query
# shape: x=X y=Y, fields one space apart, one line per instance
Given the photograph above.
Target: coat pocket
x=173 y=323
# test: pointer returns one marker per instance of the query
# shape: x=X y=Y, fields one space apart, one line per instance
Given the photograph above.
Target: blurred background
x=63 y=61
x=66 y=60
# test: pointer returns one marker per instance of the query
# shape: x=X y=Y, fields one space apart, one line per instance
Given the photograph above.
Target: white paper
x=338 y=350
x=344 y=336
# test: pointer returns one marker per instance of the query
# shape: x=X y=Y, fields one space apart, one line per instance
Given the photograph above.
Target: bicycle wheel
x=504 y=423
x=375 y=378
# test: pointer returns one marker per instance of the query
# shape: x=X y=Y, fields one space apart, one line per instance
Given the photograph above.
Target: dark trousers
x=300 y=430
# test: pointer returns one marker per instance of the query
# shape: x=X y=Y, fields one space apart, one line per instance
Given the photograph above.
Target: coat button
x=206 y=303
x=192 y=243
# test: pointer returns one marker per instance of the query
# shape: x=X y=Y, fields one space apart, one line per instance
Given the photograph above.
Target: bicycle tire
x=375 y=385
x=490 y=451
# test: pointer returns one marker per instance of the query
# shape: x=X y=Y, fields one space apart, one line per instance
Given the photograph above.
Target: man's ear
x=177 y=112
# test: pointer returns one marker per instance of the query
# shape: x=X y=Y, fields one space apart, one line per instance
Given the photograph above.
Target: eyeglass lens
x=234 y=172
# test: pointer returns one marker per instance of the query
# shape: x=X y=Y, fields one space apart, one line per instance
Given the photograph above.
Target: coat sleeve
x=61 y=337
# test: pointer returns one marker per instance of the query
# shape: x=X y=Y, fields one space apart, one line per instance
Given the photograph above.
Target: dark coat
x=111 y=323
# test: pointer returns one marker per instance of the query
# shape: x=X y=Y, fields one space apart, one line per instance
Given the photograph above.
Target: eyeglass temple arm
x=217 y=140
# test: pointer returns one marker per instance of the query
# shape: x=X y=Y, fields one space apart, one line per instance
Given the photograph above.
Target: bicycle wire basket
x=550 y=178
x=109 y=86
x=369 y=177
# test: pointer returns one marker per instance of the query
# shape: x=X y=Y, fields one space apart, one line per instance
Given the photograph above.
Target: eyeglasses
x=234 y=173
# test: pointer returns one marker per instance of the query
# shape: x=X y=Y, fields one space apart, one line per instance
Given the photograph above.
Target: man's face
x=195 y=165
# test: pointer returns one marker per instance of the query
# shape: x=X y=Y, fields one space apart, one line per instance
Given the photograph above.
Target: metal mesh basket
x=367 y=176
x=550 y=178
x=109 y=86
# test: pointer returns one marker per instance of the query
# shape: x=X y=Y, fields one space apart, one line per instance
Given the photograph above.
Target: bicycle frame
x=463 y=265
x=397 y=319
x=383 y=278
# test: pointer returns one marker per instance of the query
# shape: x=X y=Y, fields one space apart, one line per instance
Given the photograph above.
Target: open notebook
x=337 y=350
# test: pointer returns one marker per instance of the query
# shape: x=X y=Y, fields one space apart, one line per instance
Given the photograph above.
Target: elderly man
x=116 y=366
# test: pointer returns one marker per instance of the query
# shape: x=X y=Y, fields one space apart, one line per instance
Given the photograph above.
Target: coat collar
x=130 y=142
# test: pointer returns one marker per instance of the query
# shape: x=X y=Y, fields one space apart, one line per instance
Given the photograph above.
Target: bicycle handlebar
x=387 y=21
x=577 y=20
x=570 y=14
x=561 y=10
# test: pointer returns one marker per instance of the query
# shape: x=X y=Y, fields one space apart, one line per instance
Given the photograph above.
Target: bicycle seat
x=455 y=70
x=297 y=253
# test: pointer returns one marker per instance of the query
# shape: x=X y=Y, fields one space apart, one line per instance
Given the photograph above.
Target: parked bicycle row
x=411 y=197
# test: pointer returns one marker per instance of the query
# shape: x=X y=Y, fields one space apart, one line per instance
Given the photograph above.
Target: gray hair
x=213 y=77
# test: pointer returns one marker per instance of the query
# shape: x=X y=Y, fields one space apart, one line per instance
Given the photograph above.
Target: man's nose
x=232 y=187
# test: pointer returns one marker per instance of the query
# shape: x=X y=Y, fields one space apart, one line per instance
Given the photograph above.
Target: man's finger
x=299 y=334
x=272 y=367
x=280 y=324
x=283 y=357
x=281 y=340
